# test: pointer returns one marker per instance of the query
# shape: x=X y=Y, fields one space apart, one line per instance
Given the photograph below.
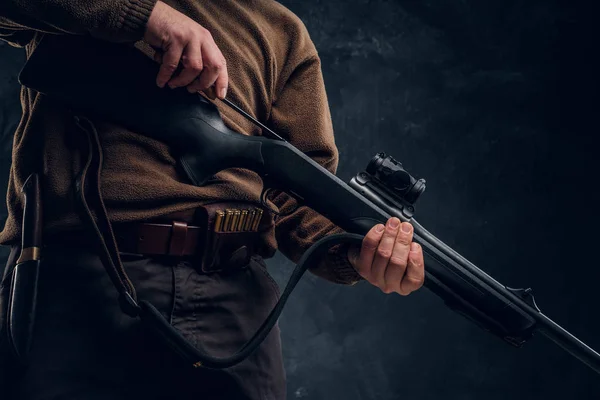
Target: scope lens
x=417 y=189
x=400 y=180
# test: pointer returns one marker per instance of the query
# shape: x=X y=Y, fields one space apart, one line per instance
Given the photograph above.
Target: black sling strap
x=88 y=190
x=89 y=193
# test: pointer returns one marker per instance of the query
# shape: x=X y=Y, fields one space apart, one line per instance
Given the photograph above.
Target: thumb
x=353 y=253
x=210 y=92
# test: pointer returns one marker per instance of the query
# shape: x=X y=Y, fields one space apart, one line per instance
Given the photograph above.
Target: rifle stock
x=193 y=127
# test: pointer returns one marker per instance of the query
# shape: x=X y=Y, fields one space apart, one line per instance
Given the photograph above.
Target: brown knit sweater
x=274 y=73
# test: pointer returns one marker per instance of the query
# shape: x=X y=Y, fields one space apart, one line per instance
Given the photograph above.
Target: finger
x=396 y=267
x=191 y=60
x=353 y=254
x=415 y=270
x=222 y=82
x=213 y=66
x=210 y=92
x=400 y=255
x=158 y=56
x=196 y=85
x=170 y=61
x=193 y=87
x=384 y=252
x=367 y=251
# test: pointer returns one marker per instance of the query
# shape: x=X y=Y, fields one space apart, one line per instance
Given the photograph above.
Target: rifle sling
x=88 y=190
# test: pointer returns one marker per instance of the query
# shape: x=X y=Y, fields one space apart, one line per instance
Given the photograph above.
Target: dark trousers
x=84 y=347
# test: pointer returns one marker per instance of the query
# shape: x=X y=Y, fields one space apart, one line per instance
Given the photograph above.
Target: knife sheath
x=23 y=295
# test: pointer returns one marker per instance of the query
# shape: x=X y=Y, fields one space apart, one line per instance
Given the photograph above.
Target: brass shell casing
x=227 y=223
x=219 y=221
x=257 y=219
x=234 y=220
x=242 y=221
x=251 y=216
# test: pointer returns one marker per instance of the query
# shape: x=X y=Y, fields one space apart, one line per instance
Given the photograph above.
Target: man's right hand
x=178 y=39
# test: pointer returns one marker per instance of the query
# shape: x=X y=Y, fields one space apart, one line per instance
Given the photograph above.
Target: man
x=259 y=55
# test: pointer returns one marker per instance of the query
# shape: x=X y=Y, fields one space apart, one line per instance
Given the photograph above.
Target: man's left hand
x=389 y=259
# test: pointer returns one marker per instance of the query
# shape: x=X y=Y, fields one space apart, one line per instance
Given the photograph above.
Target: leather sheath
x=24 y=283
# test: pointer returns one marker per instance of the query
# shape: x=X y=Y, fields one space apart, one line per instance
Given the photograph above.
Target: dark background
x=492 y=102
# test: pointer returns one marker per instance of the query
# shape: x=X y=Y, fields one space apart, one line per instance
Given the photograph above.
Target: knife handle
x=32 y=220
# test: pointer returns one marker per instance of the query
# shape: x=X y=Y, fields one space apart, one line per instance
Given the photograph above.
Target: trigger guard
x=278 y=214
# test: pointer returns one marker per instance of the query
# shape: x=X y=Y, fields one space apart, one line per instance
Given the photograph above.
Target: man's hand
x=180 y=40
x=389 y=259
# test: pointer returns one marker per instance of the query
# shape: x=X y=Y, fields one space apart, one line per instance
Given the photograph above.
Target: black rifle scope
x=391 y=173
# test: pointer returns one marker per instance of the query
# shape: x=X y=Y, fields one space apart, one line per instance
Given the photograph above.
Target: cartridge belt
x=175 y=239
x=223 y=235
x=180 y=239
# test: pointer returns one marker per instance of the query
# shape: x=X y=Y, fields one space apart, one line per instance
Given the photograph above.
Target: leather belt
x=175 y=239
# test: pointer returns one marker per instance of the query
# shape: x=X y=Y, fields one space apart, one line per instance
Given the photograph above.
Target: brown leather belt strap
x=176 y=239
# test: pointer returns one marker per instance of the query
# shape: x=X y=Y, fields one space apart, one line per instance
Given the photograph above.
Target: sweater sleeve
x=300 y=113
x=112 y=20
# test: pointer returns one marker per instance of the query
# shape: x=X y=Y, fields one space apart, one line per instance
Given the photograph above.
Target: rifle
x=192 y=126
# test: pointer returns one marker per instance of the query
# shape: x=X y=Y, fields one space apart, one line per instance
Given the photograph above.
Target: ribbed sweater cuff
x=340 y=266
x=133 y=19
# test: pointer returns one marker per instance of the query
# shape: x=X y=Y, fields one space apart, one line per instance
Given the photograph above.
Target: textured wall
x=487 y=101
